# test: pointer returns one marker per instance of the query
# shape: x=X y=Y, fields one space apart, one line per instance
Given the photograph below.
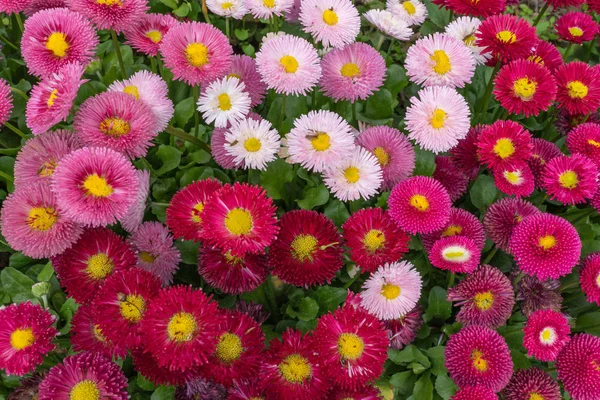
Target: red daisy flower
x=577 y=367
x=457 y=254
x=241 y=219
x=570 y=180
x=564 y=3
x=585 y=140
x=246 y=390
x=308 y=250
x=515 y=179
x=545 y=334
x=576 y=27
x=374 y=239
x=185 y=211
x=543 y=151
x=503 y=217
x=475 y=393
x=578 y=87
x=474 y=8
x=464 y=154
x=589 y=277
x=454 y=180
x=506 y=38
x=504 y=143
x=461 y=223
x=594 y=5
x=365 y=393
x=533 y=383
x=86 y=334
x=546 y=54
x=352 y=346
x=97 y=255
x=565 y=122
x=147 y=365
x=403 y=331
x=478 y=355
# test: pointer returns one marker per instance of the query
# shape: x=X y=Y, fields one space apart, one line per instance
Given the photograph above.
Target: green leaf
x=403 y=382
x=483 y=192
x=16 y=284
x=46 y=273
x=182 y=11
x=329 y=297
x=407 y=355
x=380 y=105
x=144 y=383
x=589 y=323
x=184 y=111
x=445 y=387
x=20 y=260
x=275 y=177
x=305 y=310
x=438 y=306
x=423 y=388
x=7 y=165
x=314 y=197
x=241 y=34
x=436 y=355
x=164 y=393
x=396 y=79
x=66 y=312
x=337 y=211
x=170 y=158
x=170 y=3
x=188 y=250
x=424 y=162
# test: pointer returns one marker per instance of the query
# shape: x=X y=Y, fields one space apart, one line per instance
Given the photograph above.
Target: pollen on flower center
x=238 y=222
x=110 y=2
x=442 y=62
x=374 y=240
x=390 y=291
x=438 y=119
x=229 y=348
x=506 y=37
x=132 y=307
x=48 y=168
x=419 y=202
x=350 y=346
x=85 y=390
x=147 y=257
x=577 y=89
x=233 y=260
x=57 y=44
x=598 y=280
x=504 y=148
x=181 y=327
x=452 y=230
x=575 y=31
x=132 y=90
x=22 y=338
x=227 y=5
x=252 y=145
x=513 y=177
x=547 y=242
x=568 y=179
x=295 y=368
x=350 y=70
x=196 y=212
x=382 y=156
x=115 y=127
x=524 y=88
x=99 y=266
x=224 y=102
x=479 y=363
x=456 y=254
x=469 y=40
x=269 y=3
x=289 y=63
x=232 y=75
x=196 y=54
x=97 y=186
x=409 y=8
x=52 y=98
x=352 y=174
x=592 y=142
x=320 y=142
x=536 y=59
x=155 y=36
x=330 y=17
x=483 y=300
x=303 y=247
x=42 y=218
x=548 y=336
x=536 y=396
x=98 y=333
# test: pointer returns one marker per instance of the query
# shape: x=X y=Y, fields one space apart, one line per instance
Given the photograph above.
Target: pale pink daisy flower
x=252 y=143
x=117 y=15
x=289 y=64
x=152 y=90
x=56 y=37
x=293 y=15
x=392 y=291
x=33 y=6
x=51 y=99
x=244 y=68
x=6 y=101
x=413 y=12
x=440 y=60
x=265 y=9
x=156 y=251
x=147 y=35
x=465 y=29
x=135 y=214
x=354 y=177
x=224 y=102
x=389 y=24
x=334 y=23
x=228 y=8
x=438 y=118
x=218 y=150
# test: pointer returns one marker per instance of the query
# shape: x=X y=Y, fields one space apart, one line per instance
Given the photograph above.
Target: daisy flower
x=578 y=87
x=440 y=60
x=503 y=217
x=147 y=366
x=535 y=295
x=585 y=140
x=545 y=246
x=289 y=64
x=232 y=274
x=186 y=209
x=478 y=355
x=546 y=54
x=253 y=143
x=13 y=6
x=228 y=8
x=253 y=310
x=576 y=27
x=156 y=251
x=576 y=367
x=506 y=37
x=419 y=205
x=117 y=15
x=570 y=180
x=545 y=334
x=413 y=12
x=200 y=387
x=83 y=375
x=474 y=393
x=389 y=24
x=224 y=102
x=482 y=8
x=320 y=139
x=6 y=101
x=352 y=73
x=196 y=53
x=374 y=239
x=308 y=249
x=54 y=38
x=403 y=331
x=450 y=177
x=334 y=23
x=218 y=151
x=244 y=68
x=438 y=118
x=116 y=121
x=265 y=9
x=34 y=6
x=543 y=151
x=364 y=393
x=86 y=334
x=352 y=346
x=464 y=154
x=529 y=383
x=135 y=214
x=504 y=143
x=83 y=268
x=25 y=337
x=147 y=35
x=457 y=254
x=359 y=176
x=461 y=223
x=33 y=222
x=589 y=278
x=565 y=122
x=392 y=291
x=485 y=297
x=247 y=389
x=564 y=3
x=241 y=219
x=464 y=29
x=94 y=186
x=515 y=179
x=525 y=87
x=51 y=99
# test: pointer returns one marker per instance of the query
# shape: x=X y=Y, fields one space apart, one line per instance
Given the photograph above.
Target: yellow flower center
x=547 y=242
x=238 y=222
x=320 y=142
x=575 y=31
x=438 y=118
x=598 y=280
x=232 y=75
x=132 y=90
x=536 y=59
x=548 y=336
x=224 y=102
x=352 y=174
x=350 y=346
x=577 y=90
x=390 y=291
x=536 y=396
x=196 y=54
x=483 y=300
x=479 y=363
x=452 y=230
x=303 y=247
x=409 y=8
x=110 y=2
x=196 y=212
x=504 y=148
x=229 y=348
x=593 y=143
x=155 y=36
x=233 y=260
x=330 y=17
x=382 y=156
x=57 y=44
x=289 y=63
x=513 y=177
x=97 y=186
x=42 y=218
x=98 y=333
x=524 y=88
x=227 y=5
x=115 y=127
x=22 y=338
x=132 y=307
x=252 y=145
x=374 y=240
x=47 y=169
x=181 y=327
x=419 y=202
x=269 y=3
x=350 y=70
x=52 y=98
x=455 y=254
x=99 y=266
x=469 y=40
x=87 y=389
x=506 y=37
x=568 y=179
x=442 y=62
x=295 y=369
x=147 y=257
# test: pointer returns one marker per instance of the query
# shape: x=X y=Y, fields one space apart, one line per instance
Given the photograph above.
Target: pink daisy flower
x=13 y=6
x=196 y=53
x=453 y=180
x=543 y=151
x=545 y=334
x=147 y=35
x=545 y=246
x=546 y=54
x=503 y=217
x=34 y=223
x=478 y=355
x=528 y=383
x=504 y=143
x=457 y=254
x=515 y=179
x=334 y=23
x=95 y=186
x=461 y=223
x=86 y=334
x=352 y=73
x=589 y=278
x=388 y=24
x=464 y=154
x=117 y=15
x=564 y=3
x=6 y=101
x=135 y=214
x=34 y=6
x=576 y=27
x=51 y=99
x=577 y=367
x=506 y=38
x=147 y=366
x=440 y=60
x=475 y=393
x=25 y=337
x=419 y=205
x=485 y=8
x=218 y=151
x=585 y=140
x=570 y=180
x=289 y=65
x=156 y=251
x=403 y=331
x=56 y=37
x=244 y=68
x=578 y=87
x=260 y=9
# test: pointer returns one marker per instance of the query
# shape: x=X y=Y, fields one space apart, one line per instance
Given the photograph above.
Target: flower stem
x=283 y=101
x=19 y=92
x=171 y=130
x=118 y=51
x=16 y=130
x=567 y=51
x=8 y=42
x=540 y=15
x=488 y=93
x=354 y=113
x=588 y=53
x=205 y=12
x=380 y=42
x=227 y=27
x=271 y=298
x=153 y=64
x=196 y=112
x=490 y=255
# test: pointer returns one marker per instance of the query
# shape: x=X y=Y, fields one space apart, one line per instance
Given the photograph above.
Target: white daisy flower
x=332 y=22
x=227 y=8
x=265 y=9
x=412 y=11
x=224 y=101
x=389 y=24
x=465 y=30
x=354 y=177
x=253 y=142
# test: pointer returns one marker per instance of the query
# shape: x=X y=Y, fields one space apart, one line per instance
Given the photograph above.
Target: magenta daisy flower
x=403 y=331
x=334 y=23
x=6 y=101
x=453 y=180
x=156 y=251
x=95 y=186
x=585 y=140
x=84 y=375
x=545 y=246
x=504 y=143
x=86 y=334
x=578 y=87
x=146 y=36
x=13 y=6
x=570 y=180
x=543 y=151
x=244 y=68
x=545 y=334
x=308 y=250
x=26 y=337
x=576 y=27
x=464 y=154
x=475 y=393
x=33 y=6
x=529 y=383
x=564 y=3
x=478 y=355
x=364 y=393
x=514 y=179
x=577 y=367
x=589 y=278
x=56 y=37
x=135 y=214
x=457 y=254
x=503 y=217
x=506 y=38
x=232 y=274
x=482 y=8
x=196 y=53
x=352 y=73
x=546 y=54
x=146 y=365
x=461 y=223
x=419 y=205
x=117 y=15
x=248 y=389
x=83 y=269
